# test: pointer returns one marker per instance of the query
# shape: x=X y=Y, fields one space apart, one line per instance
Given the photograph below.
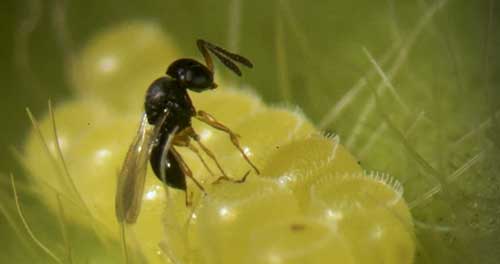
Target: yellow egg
x=118 y=64
x=260 y=134
x=73 y=120
x=299 y=240
x=231 y=214
x=301 y=162
x=369 y=212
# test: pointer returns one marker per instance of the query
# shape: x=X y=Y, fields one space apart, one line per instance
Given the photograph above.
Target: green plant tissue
x=410 y=87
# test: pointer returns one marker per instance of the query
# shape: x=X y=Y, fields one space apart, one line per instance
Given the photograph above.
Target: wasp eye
x=199 y=78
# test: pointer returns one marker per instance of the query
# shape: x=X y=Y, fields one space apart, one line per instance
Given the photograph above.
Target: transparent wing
x=130 y=186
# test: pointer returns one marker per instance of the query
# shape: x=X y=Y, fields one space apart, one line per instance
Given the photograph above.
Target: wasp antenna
x=228 y=63
x=223 y=55
x=235 y=57
x=202 y=46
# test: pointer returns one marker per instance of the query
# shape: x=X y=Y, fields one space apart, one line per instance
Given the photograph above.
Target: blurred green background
x=434 y=125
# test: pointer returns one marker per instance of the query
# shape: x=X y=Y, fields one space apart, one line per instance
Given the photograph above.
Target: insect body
x=166 y=123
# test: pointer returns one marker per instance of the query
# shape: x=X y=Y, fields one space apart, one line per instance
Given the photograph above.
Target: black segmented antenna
x=223 y=55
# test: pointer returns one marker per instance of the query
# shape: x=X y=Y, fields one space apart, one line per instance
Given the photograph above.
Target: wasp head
x=192 y=75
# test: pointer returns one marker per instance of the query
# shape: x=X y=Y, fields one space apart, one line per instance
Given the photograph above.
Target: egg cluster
x=311 y=203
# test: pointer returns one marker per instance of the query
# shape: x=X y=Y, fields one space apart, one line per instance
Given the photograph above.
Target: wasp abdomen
x=174 y=176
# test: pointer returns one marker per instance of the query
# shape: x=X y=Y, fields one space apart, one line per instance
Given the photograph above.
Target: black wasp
x=167 y=123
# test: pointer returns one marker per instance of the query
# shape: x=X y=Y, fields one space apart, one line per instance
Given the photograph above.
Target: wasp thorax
x=156 y=100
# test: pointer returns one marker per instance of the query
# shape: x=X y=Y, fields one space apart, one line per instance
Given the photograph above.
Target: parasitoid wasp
x=166 y=124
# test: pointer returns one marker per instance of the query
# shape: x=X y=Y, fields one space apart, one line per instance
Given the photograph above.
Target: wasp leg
x=195 y=150
x=211 y=121
x=188 y=198
x=242 y=180
x=185 y=169
x=183 y=140
x=196 y=138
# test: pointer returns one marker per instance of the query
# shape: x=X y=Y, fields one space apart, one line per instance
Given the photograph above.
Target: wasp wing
x=130 y=186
